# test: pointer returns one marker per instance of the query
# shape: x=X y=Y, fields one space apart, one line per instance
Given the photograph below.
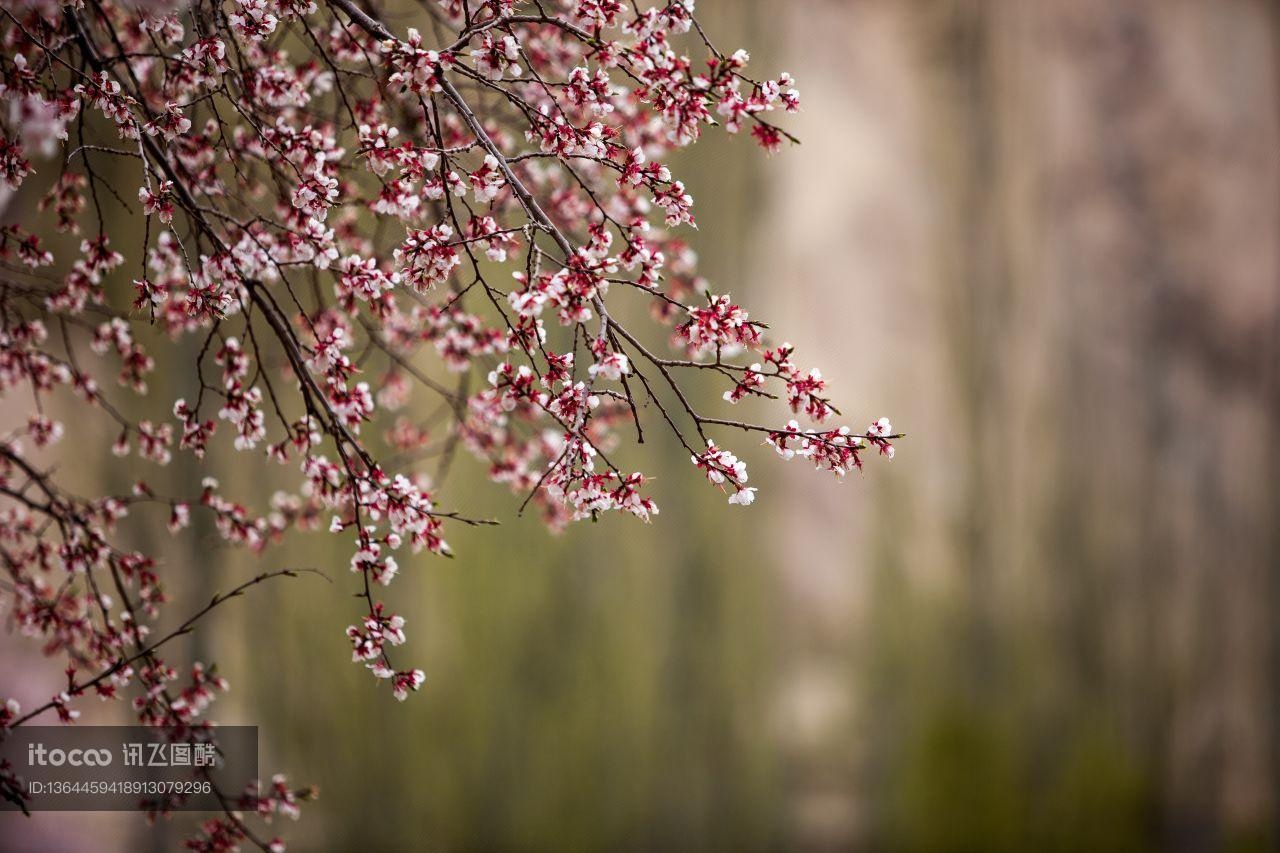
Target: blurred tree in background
x=1058 y=631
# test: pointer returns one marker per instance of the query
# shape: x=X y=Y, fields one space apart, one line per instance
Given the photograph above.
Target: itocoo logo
x=37 y=755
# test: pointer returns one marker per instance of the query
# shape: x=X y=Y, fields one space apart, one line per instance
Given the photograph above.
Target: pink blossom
x=356 y=252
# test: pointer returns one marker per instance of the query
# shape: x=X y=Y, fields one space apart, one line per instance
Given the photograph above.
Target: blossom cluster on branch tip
x=383 y=249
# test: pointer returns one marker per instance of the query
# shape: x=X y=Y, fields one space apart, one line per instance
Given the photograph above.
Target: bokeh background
x=1044 y=237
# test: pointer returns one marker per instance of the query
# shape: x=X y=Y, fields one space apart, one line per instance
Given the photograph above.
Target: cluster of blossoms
x=339 y=231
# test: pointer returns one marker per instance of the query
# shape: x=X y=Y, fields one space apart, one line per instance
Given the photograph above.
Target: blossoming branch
x=324 y=202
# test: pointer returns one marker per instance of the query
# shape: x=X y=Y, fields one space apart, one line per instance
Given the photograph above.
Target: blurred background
x=1051 y=234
